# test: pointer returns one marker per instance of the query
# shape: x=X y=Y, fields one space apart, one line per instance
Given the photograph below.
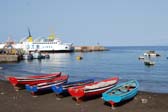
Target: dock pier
x=89 y=48
x=9 y=58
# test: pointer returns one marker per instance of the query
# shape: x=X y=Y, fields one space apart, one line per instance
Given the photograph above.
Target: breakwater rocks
x=9 y=58
x=89 y=48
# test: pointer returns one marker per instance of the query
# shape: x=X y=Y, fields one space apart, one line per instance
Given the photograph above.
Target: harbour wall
x=9 y=58
x=89 y=48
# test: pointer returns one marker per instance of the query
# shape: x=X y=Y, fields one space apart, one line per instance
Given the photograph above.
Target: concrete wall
x=89 y=48
x=8 y=58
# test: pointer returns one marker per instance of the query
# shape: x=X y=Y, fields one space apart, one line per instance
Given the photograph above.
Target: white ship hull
x=48 y=47
x=42 y=47
x=50 y=44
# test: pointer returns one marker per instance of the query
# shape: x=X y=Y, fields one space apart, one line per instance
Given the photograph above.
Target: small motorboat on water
x=92 y=89
x=42 y=87
x=1 y=68
x=28 y=57
x=21 y=81
x=141 y=57
x=64 y=87
x=148 y=62
x=151 y=53
x=121 y=92
x=37 y=55
x=47 y=56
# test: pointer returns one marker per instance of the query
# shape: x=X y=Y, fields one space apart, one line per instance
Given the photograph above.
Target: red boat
x=92 y=89
x=31 y=80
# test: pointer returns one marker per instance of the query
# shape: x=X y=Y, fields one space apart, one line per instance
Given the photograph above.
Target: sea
x=121 y=61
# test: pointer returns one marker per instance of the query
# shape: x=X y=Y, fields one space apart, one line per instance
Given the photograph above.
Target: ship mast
x=29 y=38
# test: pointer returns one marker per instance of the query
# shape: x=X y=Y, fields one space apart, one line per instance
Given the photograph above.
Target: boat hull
x=41 y=87
x=93 y=89
x=120 y=93
x=18 y=81
x=64 y=88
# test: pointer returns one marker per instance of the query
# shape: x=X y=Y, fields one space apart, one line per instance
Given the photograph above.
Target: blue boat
x=121 y=92
x=46 y=86
x=58 y=89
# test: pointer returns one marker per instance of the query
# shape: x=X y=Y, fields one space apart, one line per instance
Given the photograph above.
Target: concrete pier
x=89 y=48
x=9 y=58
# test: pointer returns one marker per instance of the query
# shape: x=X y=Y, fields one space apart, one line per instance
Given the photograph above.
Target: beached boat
x=41 y=87
x=148 y=62
x=19 y=81
x=121 y=92
x=92 y=89
x=64 y=87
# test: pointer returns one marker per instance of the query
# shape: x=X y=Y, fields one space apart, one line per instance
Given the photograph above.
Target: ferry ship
x=50 y=44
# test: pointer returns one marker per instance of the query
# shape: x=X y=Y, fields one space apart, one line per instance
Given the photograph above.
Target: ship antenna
x=29 y=32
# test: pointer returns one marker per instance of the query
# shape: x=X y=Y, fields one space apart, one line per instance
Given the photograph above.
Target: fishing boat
x=41 y=87
x=20 y=81
x=1 y=68
x=27 y=56
x=121 y=92
x=148 y=62
x=92 y=89
x=151 y=53
x=64 y=87
x=141 y=57
x=37 y=55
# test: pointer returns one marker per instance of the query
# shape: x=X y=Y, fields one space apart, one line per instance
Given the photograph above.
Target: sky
x=87 y=22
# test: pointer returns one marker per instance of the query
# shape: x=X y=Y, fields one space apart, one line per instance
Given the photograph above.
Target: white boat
x=50 y=44
x=151 y=53
x=27 y=56
x=148 y=62
x=1 y=68
x=141 y=57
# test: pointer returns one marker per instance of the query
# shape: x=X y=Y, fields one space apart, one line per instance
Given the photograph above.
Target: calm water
x=119 y=61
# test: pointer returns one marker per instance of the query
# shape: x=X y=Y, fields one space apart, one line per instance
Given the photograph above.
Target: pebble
x=2 y=93
x=144 y=100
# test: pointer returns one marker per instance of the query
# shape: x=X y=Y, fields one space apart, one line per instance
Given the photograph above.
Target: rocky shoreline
x=23 y=101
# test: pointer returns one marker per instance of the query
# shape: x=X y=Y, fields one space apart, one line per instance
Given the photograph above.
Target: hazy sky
x=87 y=22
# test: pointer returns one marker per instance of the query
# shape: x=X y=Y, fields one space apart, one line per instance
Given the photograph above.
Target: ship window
x=28 y=47
x=32 y=46
x=66 y=47
x=37 y=46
